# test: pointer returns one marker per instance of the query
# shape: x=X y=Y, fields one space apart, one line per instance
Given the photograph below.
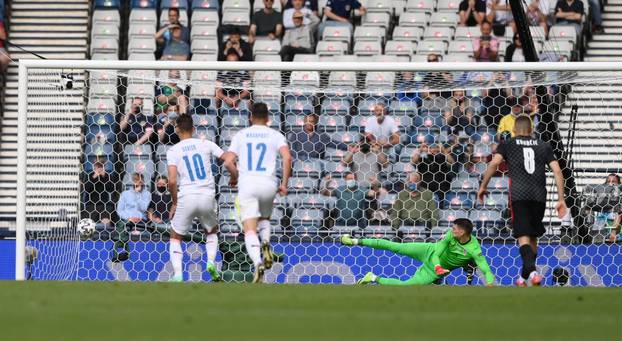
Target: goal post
x=53 y=158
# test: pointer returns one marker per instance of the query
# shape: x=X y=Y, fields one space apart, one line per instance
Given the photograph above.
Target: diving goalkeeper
x=456 y=250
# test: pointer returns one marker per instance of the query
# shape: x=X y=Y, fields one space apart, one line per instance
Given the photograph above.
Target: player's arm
x=228 y=159
x=172 y=188
x=286 y=156
x=497 y=159
x=482 y=264
x=559 y=182
x=440 y=248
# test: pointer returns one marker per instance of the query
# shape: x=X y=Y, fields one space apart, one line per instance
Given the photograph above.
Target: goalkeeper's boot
x=368 y=278
x=266 y=254
x=520 y=282
x=258 y=275
x=176 y=279
x=535 y=280
x=347 y=240
x=213 y=272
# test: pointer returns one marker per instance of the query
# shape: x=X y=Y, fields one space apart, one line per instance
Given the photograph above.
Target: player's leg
x=176 y=255
x=121 y=241
x=249 y=214
x=266 y=205
x=527 y=227
x=209 y=219
x=180 y=225
x=422 y=276
x=418 y=251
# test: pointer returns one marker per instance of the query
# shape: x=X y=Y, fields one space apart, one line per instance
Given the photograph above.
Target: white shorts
x=199 y=205
x=256 y=198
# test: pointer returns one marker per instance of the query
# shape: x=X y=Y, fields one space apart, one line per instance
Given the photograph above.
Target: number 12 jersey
x=257 y=148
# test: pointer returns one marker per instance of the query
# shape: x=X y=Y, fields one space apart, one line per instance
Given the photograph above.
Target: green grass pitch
x=165 y=311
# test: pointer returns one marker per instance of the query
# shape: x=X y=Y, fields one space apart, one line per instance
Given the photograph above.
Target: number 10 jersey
x=193 y=159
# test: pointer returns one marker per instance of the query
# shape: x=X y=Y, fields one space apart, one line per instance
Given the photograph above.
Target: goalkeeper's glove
x=440 y=271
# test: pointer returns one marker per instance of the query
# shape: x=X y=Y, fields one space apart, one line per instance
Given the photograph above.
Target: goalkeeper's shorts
x=189 y=206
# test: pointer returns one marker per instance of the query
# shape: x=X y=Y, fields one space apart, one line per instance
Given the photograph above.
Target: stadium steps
x=54 y=30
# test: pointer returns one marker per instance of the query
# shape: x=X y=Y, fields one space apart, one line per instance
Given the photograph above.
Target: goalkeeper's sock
x=263 y=227
x=529 y=261
x=252 y=247
x=176 y=255
x=211 y=246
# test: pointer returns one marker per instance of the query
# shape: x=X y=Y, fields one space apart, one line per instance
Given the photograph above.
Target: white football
x=86 y=227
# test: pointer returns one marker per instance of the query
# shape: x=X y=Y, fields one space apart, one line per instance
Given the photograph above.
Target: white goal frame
x=26 y=65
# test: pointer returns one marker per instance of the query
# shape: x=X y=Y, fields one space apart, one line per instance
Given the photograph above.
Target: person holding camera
x=136 y=127
x=299 y=39
x=472 y=12
x=486 y=47
x=165 y=127
x=241 y=47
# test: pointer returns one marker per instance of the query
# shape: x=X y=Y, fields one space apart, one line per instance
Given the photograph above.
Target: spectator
x=495 y=99
x=294 y=6
x=414 y=205
x=538 y=14
x=570 y=12
x=161 y=202
x=5 y=59
x=507 y=122
x=98 y=190
x=131 y=208
x=374 y=213
x=350 y=204
x=366 y=162
x=311 y=5
x=309 y=143
x=266 y=23
x=165 y=127
x=299 y=39
x=170 y=93
x=434 y=163
x=472 y=12
x=514 y=51
x=175 y=48
x=615 y=236
x=136 y=127
x=597 y=16
x=241 y=47
x=232 y=86
x=486 y=47
x=383 y=131
x=499 y=13
x=460 y=116
x=338 y=13
x=164 y=35
x=432 y=102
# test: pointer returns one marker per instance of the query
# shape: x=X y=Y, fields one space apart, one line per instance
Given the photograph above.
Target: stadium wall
x=591 y=265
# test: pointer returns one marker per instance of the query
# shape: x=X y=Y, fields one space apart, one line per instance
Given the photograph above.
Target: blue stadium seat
x=308 y=168
x=235 y=121
x=464 y=184
x=346 y=137
x=332 y=183
x=495 y=200
x=100 y=134
x=299 y=106
x=294 y=122
x=366 y=106
x=421 y=135
x=205 y=121
x=311 y=201
x=226 y=135
x=331 y=122
x=334 y=154
x=136 y=152
x=274 y=121
x=336 y=169
x=446 y=217
x=500 y=184
x=428 y=121
x=307 y=217
x=181 y=4
x=107 y=4
x=143 y=3
x=205 y=5
x=487 y=218
x=205 y=133
x=459 y=200
x=335 y=106
x=274 y=107
x=484 y=135
x=403 y=122
x=300 y=185
x=379 y=231
x=144 y=167
x=403 y=108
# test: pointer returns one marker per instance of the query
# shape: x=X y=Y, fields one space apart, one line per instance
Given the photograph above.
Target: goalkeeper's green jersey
x=452 y=255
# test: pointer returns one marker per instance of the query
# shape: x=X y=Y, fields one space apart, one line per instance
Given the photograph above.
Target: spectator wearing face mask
x=165 y=127
x=615 y=236
x=366 y=162
x=161 y=203
x=414 y=205
x=135 y=126
x=434 y=163
x=351 y=201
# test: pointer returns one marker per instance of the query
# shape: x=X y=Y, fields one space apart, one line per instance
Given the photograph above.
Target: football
x=86 y=227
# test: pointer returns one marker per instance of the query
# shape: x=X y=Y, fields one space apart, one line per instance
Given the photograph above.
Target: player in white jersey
x=256 y=149
x=189 y=167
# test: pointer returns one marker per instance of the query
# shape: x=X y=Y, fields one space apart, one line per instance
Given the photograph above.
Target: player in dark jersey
x=527 y=158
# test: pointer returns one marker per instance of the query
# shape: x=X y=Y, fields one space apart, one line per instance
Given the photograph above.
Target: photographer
x=165 y=127
x=241 y=47
x=136 y=127
x=486 y=47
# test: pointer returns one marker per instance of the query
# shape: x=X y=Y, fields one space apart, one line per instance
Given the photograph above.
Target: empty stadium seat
x=143 y=16
x=204 y=18
x=464 y=33
x=463 y=47
x=464 y=184
x=104 y=16
x=337 y=33
x=367 y=48
x=140 y=90
x=307 y=217
x=101 y=105
x=342 y=78
x=311 y=201
x=204 y=45
x=303 y=184
x=346 y=137
x=143 y=4
x=114 y=4
x=444 y=19
x=407 y=33
x=495 y=201
x=263 y=47
x=460 y=200
x=308 y=168
x=204 y=31
x=142 y=30
x=141 y=56
x=438 y=33
x=486 y=218
x=205 y=5
x=137 y=152
x=402 y=49
x=379 y=79
x=103 y=90
x=451 y=6
x=413 y=20
x=140 y=44
x=558 y=48
x=563 y=32
x=236 y=6
x=236 y=18
x=109 y=30
x=447 y=217
x=427 y=47
x=180 y=4
x=426 y=6
x=369 y=33
x=105 y=45
x=377 y=19
x=332 y=121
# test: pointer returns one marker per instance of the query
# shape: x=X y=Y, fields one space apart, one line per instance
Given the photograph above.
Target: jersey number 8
x=529 y=157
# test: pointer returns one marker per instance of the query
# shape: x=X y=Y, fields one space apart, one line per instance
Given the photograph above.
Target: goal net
x=381 y=150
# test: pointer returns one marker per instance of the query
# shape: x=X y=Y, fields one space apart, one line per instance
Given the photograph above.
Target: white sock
x=252 y=247
x=264 y=230
x=211 y=246
x=176 y=256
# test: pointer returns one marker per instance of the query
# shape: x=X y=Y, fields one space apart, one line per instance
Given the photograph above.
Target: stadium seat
x=336 y=169
x=367 y=48
x=413 y=20
x=204 y=45
x=204 y=18
x=425 y=6
x=103 y=90
x=102 y=17
x=563 y=33
x=377 y=19
x=438 y=33
x=331 y=48
x=495 y=200
x=105 y=31
x=308 y=168
x=235 y=121
x=142 y=30
x=379 y=79
x=99 y=152
x=205 y=5
x=311 y=201
x=444 y=19
x=105 y=45
x=451 y=6
x=227 y=215
x=204 y=31
x=404 y=50
x=146 y=167
x=307 y=217
x=143 y=4
x=205 y=133
x=407 y=33
x=101 y=105
x=464 y=184
x=346 y=137
x=227 y=199
x=369 y=33
x=486 y=218
x=107 y=4
x=403 y=108
x=379 y=6
x=342 y=78
x=334 y=154
x=181 y=4
x=446 y=217
x=143 y=16
x=140 y=90
x=139 y=44
x=303 y=185
x=141 y=56
x=464 y=33
x=236 y=6
x=236 y=18
x=263 y=47
x=460 y=47
x=403 y=122
x=537 y=34
x=501 y=184
x=334 y=113
x=459 y=200
x=136 y=152
x=307 y=58
x=558 y=48
x=427 y=47
x=337 y=33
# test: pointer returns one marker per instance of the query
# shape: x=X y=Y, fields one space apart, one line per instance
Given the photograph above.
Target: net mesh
x=85 y=143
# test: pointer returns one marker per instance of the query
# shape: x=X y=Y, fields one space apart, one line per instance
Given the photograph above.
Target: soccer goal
x=381 y=150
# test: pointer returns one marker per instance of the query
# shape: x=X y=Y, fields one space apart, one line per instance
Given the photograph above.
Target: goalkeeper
x=456 y=250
